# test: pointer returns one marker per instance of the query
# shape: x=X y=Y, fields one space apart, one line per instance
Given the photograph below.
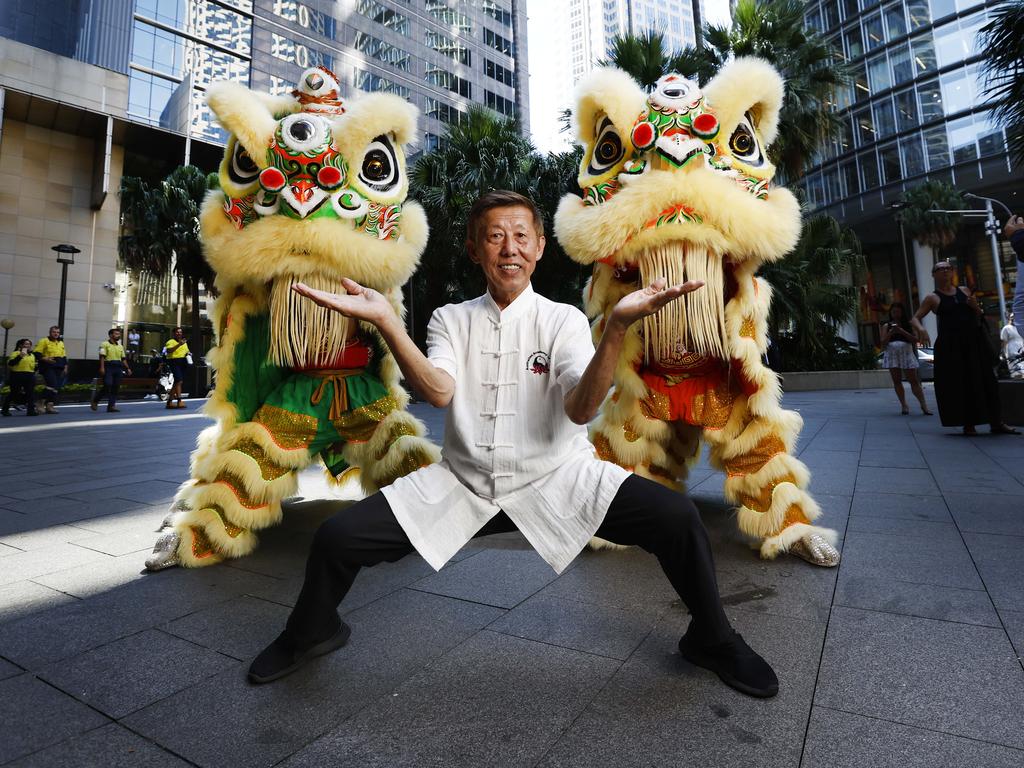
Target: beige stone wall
x=45 y=182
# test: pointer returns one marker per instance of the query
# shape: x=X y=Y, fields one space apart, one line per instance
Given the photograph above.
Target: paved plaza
x=908 y=654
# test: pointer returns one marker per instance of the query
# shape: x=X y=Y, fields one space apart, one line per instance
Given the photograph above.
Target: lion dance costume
x=312 y=190
x=677 y=184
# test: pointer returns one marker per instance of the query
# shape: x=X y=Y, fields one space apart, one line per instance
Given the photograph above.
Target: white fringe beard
x=303 y=334
x=696 y=321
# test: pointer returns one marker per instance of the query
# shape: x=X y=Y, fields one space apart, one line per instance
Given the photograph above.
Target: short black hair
x=501 y=198
x=111 y=332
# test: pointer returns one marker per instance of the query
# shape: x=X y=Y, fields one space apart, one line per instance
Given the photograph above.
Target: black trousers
x=643 y=513
x=113 y=370
x=22 y=384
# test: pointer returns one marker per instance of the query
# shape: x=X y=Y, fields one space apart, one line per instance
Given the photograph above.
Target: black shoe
x=734 y=662
x=281 y=658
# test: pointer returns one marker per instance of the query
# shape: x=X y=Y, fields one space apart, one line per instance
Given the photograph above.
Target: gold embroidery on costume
x=748 y=329
x=201 y=547
x=290 y=431
x=768 y=447
x=358 y=425
x=656 y=406
x=762 y=502
x=711 y=410
x=268 y=469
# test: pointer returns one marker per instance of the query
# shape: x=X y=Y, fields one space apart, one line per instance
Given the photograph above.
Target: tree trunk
x=196 y=345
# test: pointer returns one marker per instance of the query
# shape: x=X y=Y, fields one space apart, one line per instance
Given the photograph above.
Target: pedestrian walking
x=966 y=389
x=22 y=367
x=522 y=379
x=53 y=364
x=112 y=367
x=1014 y=232
x=899 y=345
x=178 y=357
x=134 y=339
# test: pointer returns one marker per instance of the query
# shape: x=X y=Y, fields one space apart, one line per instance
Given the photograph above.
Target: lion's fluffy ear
x=246 y=115
x=748 y=85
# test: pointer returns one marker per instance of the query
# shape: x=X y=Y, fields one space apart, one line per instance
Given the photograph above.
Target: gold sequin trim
x=268 y=469
x=629 y=433
x=762 y=502
x=238 y=488
x=230 y=528
x=748 y=328
x=656 y=406
x=358 y=425
x=401 y=429
x=201 y=546
x=290 y=431
x=753 y=461
x=794 y=515
x=409 y=464
x=603 y=449
x=711 y=410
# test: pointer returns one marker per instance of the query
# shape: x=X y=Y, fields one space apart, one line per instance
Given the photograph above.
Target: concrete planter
x=802 y=381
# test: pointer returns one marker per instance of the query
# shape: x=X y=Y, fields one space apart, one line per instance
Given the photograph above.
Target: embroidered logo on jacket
x=538 y=363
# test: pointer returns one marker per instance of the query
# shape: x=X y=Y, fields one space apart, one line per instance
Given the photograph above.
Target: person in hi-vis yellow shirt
x=179 y=358
x=112 y=366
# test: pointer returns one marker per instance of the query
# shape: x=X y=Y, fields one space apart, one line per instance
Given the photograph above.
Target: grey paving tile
x=45 y=512
x=88 y=580
x=118 y=544
x=110 y=746
x=924 y=600
x=493 y=577
x=98 y=487
x=135 y=517
x=941 y=561
x=150 y=492
x=133 y=672
x=601 y=630
x=36 y=715
x=832 y=472
x=987 y=513
x=6 y=549
x=226 y=721
x=26 y=597
x=883 y=665
x=889 y=441
x=658 y=710
x=281 y=554
x=625 y=578
x=30 y=539
x=973 y=479
x=899 y=526
x=908 y=458
x=511 y=697
x=915 y=482
x=1013 y=622
x=1000 y=560
x=55 y=557
x=843 y=740
x=240 y=628
x=9 y=669
x=838 y=435
x=786 y=586
x=899 y=506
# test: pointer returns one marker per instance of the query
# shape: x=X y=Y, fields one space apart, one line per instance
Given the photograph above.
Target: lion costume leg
x=769 y=485
x=240 y=477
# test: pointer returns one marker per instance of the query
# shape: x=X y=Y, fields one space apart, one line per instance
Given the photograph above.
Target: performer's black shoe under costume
x=282 y=657
x=735 y=662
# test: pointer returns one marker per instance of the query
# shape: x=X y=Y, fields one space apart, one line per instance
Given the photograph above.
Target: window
x=860 y=82
x=381 y=51
x=936 y=148
x=845 y=139
x=498 y=12
x=895 y=22
x=874 y=35
x=924 y=54
x=851 y=180
x=446 y=113
x=990 y=134
x=497 y=42
x=889 y=159
x=929 y=97
x=433 y=142
x=158 y=50
x=849 y=8
x=913 y=155
x=899 y=61
x=449 y=47
x=448 y=16
x=963 y=140
x=386 y=17
x=958 y=41
x=830 y=182
x=868 y=170
x=854 y=42
x=304 y=16
x=879 y=76
x=286 y=49
x=917 y=12
x=941 y=8
x=906 y=110
x=957 y=94
x=829 y=15
x=148 y=95
x=448 y=80
x=865 y=126
x=374 y=83
x=885 y=122
x=499 y=73
x=500 y=104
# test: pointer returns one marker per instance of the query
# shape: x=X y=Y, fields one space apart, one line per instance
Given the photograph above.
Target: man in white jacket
x=521 y=379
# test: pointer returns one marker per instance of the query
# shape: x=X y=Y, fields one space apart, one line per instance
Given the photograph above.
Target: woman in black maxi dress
x=966 y=389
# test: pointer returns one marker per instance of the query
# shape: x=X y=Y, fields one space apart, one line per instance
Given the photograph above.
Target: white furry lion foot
x=165 y=552
x=815 y=550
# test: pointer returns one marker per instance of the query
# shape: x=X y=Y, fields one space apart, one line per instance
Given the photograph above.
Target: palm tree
x=481 y=153
x=161 y=233
x=1002 y=39
x=921 y=219
x=812 y=295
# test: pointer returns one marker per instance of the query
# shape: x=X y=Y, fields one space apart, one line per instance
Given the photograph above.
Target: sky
x=547 y=97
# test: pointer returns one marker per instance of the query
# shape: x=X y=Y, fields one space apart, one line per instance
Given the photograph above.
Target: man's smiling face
x=507 y=248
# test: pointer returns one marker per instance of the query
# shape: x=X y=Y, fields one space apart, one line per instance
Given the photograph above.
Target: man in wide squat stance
x=521 y=377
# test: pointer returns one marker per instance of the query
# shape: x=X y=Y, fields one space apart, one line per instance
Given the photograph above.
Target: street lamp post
x=65 y=255
x=7 y=325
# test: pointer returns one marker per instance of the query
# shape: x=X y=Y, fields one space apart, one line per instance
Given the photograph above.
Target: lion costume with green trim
x=677 y=184
x=312 y=190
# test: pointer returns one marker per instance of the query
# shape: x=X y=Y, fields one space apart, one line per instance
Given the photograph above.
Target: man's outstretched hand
x=647 y=301
x=359 y=302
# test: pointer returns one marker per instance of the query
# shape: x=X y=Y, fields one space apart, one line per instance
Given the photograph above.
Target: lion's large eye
x=380 y=170
x=744 y=145
x=304 y=132
x=608 y=148
x=241 y=170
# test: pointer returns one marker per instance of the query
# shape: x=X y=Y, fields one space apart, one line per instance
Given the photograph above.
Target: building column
x=848 y=330
x=924 y=259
